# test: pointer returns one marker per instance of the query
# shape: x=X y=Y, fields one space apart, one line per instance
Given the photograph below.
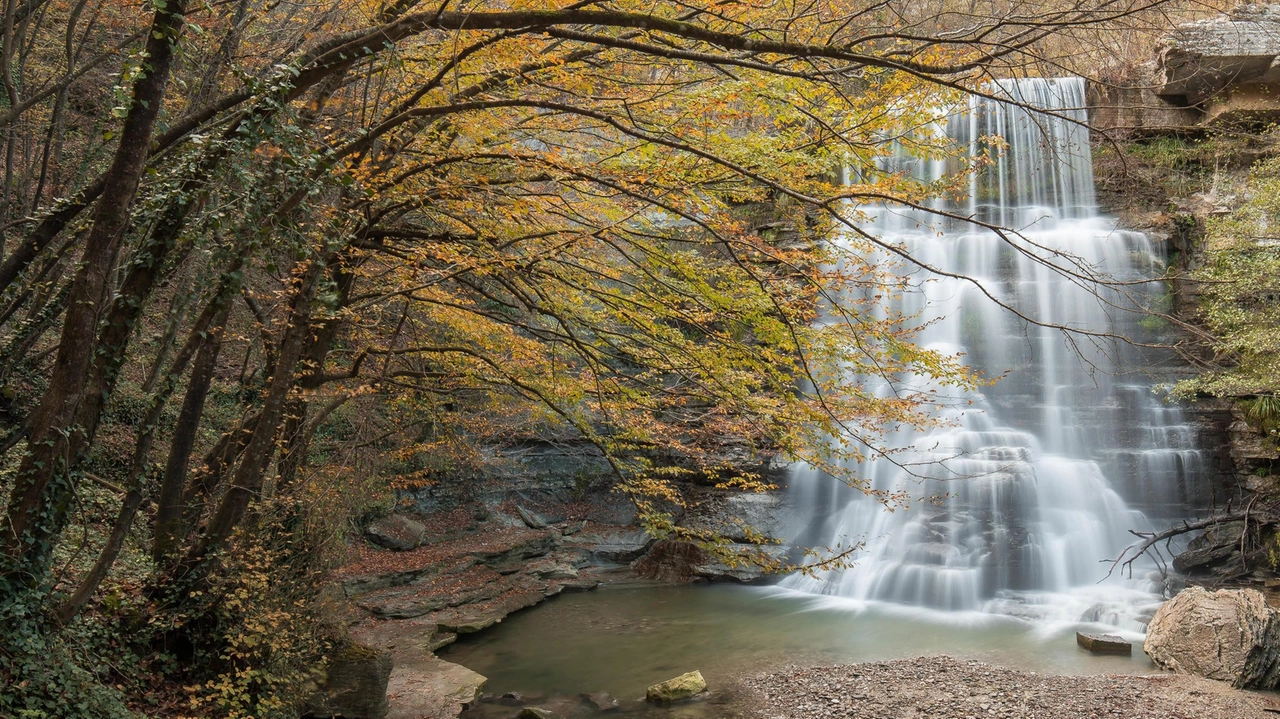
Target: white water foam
x=1046 y=471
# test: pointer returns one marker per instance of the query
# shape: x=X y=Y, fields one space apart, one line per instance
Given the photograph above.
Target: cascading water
x=1047 y=470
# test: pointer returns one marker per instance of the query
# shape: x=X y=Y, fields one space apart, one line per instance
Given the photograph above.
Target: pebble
x=946 y=688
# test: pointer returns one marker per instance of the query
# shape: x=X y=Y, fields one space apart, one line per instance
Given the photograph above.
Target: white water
x=1050 y=468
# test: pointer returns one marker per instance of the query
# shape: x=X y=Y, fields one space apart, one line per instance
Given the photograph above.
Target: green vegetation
x=1239 y=286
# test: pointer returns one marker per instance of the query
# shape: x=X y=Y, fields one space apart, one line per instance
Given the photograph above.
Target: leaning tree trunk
x=247 y=481
x=169 y=498
x=43 y=488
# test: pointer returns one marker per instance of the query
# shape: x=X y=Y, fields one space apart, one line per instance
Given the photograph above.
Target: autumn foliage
x=264 y=262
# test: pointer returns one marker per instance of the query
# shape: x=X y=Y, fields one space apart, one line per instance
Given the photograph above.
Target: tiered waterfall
x=1048 y=469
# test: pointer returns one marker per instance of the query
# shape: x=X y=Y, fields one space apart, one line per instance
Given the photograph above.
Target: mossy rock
x=685 y=686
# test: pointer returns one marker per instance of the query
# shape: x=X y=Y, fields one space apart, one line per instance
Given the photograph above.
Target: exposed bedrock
x=1209 y=73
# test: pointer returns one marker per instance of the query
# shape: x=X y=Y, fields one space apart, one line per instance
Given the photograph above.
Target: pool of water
x=621 y=639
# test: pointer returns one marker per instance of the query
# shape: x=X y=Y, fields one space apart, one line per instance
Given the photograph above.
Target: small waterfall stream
x=1047 y=470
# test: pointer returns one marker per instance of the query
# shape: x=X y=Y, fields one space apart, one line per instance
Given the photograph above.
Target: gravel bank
x=945 y=688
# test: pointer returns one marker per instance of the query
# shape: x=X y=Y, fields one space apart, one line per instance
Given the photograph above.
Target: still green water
x=621 y=639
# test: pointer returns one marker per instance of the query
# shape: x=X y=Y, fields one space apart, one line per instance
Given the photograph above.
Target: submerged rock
x=1230 y=635
x=685 y=686
x=537 y=713
x=1104 y=643
x=396 y=531
x=602 y=701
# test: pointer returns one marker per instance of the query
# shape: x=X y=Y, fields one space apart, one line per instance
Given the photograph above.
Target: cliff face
x=1176 y=140
x=1172 y=186
x=1216 y=73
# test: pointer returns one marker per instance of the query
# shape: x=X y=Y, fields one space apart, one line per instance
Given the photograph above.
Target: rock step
x=477 y=583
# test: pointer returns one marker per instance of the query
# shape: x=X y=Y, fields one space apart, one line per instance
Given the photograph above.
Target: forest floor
x=946 y=688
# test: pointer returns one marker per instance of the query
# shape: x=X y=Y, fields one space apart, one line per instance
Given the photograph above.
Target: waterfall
x=1047 y=470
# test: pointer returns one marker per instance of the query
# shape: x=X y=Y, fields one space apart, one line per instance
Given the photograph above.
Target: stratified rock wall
x=1217 y=72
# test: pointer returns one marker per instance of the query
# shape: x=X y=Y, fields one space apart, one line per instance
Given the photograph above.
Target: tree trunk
x=43 y=488
x=248 y=478
x=169 y=499
x=295 y=440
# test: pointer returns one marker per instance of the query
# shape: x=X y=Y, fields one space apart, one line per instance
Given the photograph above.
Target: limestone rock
x=1104 y=643
x=1201 y=58
x=396 y=531
x=1217 y=546
x=1130 y=106
x=531 y=518
x=354 y=685
x=608 y=544
x=685 y=686
x=439 y=640
x=749 y=569
x=421 y=686
x=550 y=569
x=1230 y=635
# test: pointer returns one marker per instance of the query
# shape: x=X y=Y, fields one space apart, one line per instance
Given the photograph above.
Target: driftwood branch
x=1149 y=540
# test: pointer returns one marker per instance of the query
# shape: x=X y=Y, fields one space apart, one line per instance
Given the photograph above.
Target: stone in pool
x=685 y=686
x=537 y=713
x=1104 y=643
x=602 y=701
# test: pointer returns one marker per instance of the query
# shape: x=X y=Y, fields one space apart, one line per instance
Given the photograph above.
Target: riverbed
x=622 y=638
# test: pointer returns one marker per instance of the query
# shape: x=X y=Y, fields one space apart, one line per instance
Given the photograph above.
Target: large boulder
x=354 y=685
x=1230 y=635
x=396 y=531
x=685 y=686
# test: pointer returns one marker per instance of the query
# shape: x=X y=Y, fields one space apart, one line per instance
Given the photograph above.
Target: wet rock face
x=396 y=531
x=1230 y=635
x=1216 y=551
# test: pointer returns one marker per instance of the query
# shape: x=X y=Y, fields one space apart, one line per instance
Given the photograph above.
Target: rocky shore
x=420 y=578
x=946 y=688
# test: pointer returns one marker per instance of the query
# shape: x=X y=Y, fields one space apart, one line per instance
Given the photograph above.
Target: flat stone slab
x=612 y=544
x=422 y=686
x=427 y=687
x=1104 y=643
